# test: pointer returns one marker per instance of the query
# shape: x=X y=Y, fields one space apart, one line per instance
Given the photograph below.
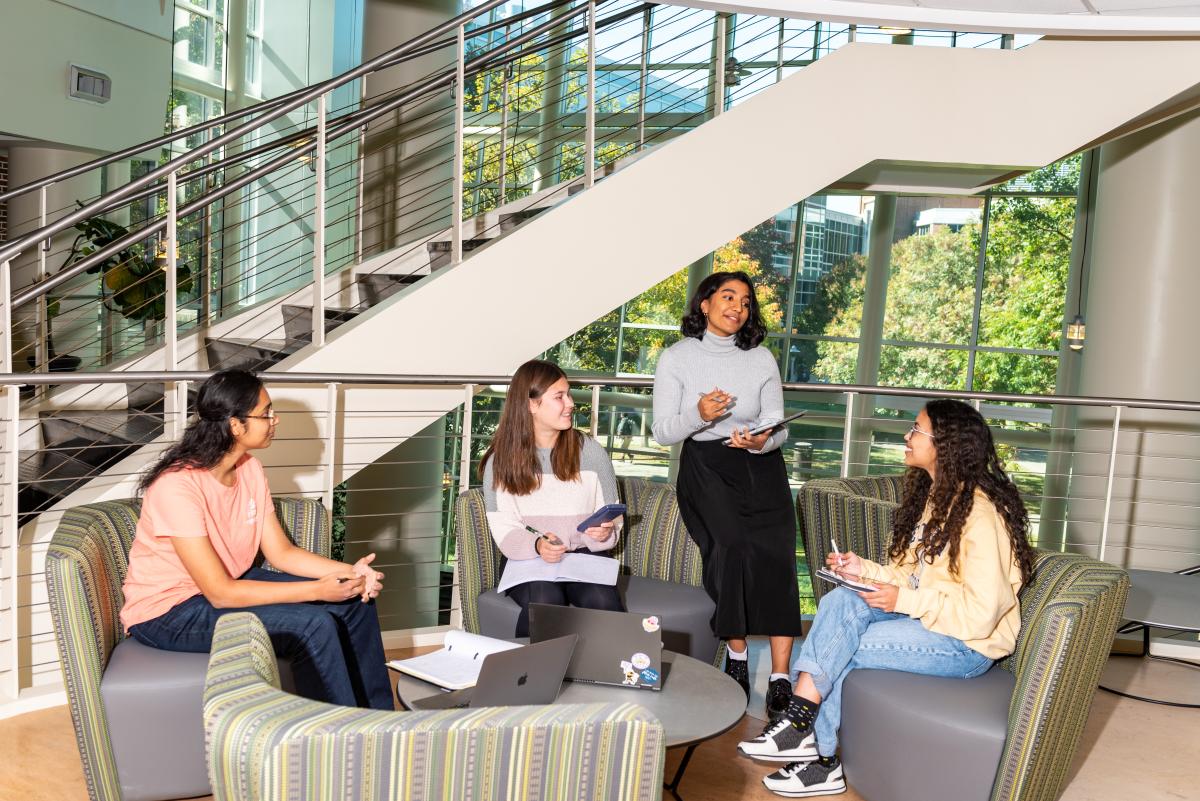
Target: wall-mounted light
x=890 y=31
x=1077 y=329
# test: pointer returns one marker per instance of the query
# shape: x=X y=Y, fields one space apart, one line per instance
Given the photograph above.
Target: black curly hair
x=966 y=460
x=225 y=395
x=694 y=324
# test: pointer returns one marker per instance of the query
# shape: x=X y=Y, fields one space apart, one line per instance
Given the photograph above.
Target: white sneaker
x=800 y=780
x=782 y=742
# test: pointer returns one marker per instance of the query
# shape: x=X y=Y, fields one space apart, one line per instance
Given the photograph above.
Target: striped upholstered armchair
x=660 y=566
x=1008 y=735
x=268 y=745
x=152 y=746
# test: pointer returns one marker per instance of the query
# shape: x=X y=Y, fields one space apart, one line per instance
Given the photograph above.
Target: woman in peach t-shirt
x=206 y=516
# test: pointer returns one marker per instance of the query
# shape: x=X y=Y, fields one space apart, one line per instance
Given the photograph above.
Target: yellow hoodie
x=979 y=605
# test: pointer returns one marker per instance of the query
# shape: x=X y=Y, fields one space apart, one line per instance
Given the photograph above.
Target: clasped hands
x=849 y=565
x=365 y=581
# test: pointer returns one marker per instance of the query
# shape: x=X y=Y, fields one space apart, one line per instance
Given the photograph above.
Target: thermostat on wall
x=89 y=84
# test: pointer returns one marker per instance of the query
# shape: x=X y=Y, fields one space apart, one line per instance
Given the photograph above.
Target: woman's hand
x=883 y=599
x=601 y=532
x=744 y=439
x=849 y=564
x=714 y=404
x=339 y=586
x=550 y=548
x=372 y=578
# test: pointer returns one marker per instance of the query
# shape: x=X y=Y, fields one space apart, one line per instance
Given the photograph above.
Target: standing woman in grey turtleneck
x=711 y=388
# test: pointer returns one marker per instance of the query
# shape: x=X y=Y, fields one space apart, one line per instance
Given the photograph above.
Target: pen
x=841 y=561
x=550 y=538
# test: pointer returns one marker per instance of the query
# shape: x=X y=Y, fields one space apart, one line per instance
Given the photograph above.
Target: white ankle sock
x=777 y=676
x=739 y=656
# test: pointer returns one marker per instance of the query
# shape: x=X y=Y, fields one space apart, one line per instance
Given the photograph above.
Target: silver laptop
x=531 y=675
x=623 y=649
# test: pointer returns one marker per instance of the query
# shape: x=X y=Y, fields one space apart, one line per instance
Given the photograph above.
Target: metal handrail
x=309 y=94
x=486 y=61
x=154 y=376
x=265 y=105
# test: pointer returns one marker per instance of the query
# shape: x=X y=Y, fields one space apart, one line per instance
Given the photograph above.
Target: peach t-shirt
x=191 y=503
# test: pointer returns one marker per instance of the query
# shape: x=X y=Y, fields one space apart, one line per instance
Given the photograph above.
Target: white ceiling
x=1103 y=18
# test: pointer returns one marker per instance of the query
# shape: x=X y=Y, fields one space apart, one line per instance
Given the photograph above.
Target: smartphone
x=602 y=515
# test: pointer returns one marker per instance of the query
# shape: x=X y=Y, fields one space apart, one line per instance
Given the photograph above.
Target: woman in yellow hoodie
x=944 y=605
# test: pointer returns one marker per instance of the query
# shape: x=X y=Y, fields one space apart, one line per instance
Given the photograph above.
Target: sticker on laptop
x=650 y=676
x=650 y=624
x=631 y=675
x=640 y=661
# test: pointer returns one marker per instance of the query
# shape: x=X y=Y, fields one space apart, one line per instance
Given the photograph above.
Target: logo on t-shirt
x=251 y=512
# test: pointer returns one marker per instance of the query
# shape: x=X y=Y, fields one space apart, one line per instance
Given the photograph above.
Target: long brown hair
x=516 y=469
x=966 y=459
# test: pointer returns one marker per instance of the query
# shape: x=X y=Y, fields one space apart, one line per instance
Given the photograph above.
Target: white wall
x=128 y=41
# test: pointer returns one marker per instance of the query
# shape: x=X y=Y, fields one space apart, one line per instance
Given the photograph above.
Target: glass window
x=938 y=368
x=640 y=348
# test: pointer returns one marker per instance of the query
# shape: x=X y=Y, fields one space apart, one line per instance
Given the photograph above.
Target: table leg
x=1145 y=654
x=673 y=787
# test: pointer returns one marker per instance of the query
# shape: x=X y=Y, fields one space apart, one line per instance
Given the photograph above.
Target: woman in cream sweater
x=944 y=605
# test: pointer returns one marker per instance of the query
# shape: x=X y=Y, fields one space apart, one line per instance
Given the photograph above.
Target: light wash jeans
x=847 y=634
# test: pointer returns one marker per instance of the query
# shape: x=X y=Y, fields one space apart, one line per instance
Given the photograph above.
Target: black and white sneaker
x=779 y=694
x=781 y=742
x=800 y=779
x=739 y=671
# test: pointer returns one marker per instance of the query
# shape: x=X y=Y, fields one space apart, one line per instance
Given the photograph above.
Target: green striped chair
x=659 y=562
x=151 y=746
x=1008 y=735
x=267 y=745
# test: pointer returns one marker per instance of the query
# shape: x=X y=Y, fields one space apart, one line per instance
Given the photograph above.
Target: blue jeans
x=847 y=634
x=335 y=649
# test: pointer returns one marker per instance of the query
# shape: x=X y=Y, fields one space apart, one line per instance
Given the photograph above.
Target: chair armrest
x=860 y=524
x=655 y=543
x=1069 y=615
x=476 y=553
x=264 y=743
x=307 y=525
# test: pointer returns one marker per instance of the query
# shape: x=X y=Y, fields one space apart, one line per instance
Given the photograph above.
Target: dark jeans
x=561 y=593
x=335 y=649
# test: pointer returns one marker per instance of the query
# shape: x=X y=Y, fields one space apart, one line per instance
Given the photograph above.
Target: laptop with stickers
x=623 y=649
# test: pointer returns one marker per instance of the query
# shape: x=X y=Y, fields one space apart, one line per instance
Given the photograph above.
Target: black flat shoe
x=739 y=671
x=779 y=693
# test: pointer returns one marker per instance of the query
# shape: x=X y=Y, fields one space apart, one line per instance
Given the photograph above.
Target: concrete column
x=409 y=160
x=1142 y=329
x=879 y=263
x=394 y=509
x=697 y=272
x=549 y=123
x=28 y=163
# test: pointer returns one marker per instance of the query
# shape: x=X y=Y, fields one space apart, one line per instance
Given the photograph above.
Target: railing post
x=595 y=411
x=643 y=75
x=361 y=189
x=718 y=86
x=846 y=433
x=12 y=533
x=589 y=134
x=171 y=341
x=331 y=409
x=456 y=213
x=318 y=305
x=6 y=317
x=501 y=189
x=1108 y=486
x=42 y=348
x=464 y=459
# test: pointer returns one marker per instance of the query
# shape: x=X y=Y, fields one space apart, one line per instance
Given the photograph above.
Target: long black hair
x=750 y=335
x=966 y=460
x=224 y=396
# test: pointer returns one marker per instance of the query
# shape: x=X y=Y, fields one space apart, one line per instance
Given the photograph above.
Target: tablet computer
x=774 y=426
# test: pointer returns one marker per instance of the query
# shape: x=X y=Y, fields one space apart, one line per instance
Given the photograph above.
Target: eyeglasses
x=271 y=415
x=916 y=430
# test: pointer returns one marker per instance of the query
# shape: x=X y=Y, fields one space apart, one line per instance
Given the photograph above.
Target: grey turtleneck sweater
x=694 y=367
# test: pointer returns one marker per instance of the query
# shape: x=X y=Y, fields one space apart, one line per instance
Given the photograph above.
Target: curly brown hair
x=966 y=460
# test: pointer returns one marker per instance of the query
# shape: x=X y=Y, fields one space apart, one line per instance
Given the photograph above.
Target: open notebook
x=456 y=664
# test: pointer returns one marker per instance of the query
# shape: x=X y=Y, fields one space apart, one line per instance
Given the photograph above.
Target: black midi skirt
x=738 y=509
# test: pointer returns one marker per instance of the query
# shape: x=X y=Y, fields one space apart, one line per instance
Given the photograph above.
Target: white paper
x=573 y=567
x=456 y=665
x=842 y=581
